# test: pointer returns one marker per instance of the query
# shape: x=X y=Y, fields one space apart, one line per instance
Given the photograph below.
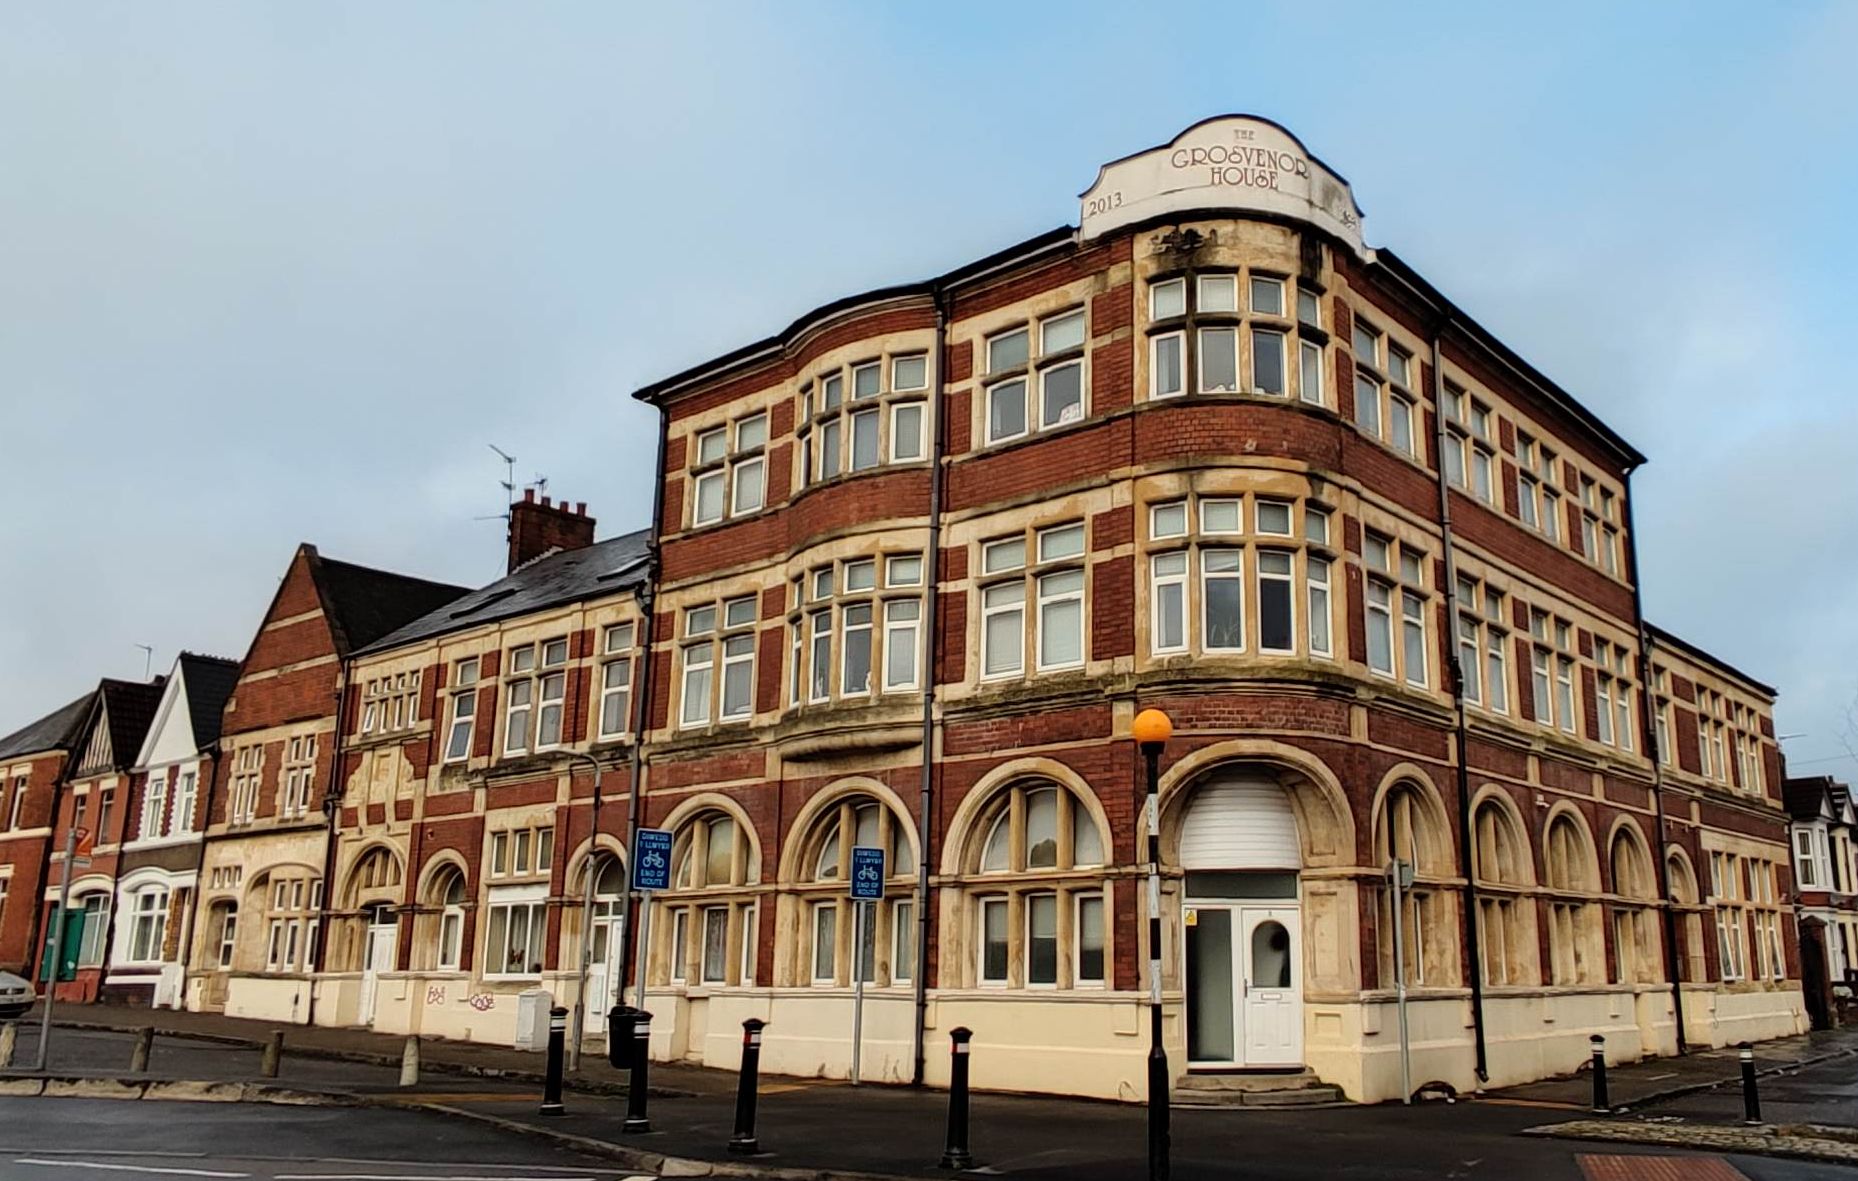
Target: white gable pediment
x=171 y=738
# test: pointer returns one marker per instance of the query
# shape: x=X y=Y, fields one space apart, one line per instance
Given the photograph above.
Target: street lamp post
x=587 y=915
x=1152 y=730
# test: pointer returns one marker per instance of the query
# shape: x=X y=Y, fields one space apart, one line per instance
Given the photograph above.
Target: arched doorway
x=1242 y=924
x=380 y=941
x=609 y=936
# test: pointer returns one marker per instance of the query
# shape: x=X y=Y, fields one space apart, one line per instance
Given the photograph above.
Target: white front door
x=1271 y=1004
x=377 y=957
x=602 y=971
x=1244 y=991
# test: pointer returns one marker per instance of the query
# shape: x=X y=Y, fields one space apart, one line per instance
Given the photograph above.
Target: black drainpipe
x=647 y=593
x=1648 y=733
x=1473 y=961
x=332 y=809
x=931 y=605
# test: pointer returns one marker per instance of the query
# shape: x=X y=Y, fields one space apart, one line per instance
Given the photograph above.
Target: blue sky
x=280 y=272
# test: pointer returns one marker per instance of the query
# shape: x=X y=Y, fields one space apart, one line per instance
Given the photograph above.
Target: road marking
x=411 y=1177
x=1503 y=1102
x=90 y=1164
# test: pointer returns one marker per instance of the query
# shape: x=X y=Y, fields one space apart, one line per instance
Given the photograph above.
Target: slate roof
x=563 y=576
x=57 y=730
x=130 y=707
x=363 y=604
x=1806 y=797
x=208 y=681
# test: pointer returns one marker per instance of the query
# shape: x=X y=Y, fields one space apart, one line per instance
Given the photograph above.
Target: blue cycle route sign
x=651 y=861
x=867 y=873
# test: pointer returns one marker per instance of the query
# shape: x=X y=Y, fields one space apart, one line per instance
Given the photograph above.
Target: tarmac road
x=111 y=1140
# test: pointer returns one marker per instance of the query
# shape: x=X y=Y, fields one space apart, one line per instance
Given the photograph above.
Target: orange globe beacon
x=1152 y=726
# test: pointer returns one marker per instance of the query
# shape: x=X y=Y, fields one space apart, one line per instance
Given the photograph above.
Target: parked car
x=16 y=996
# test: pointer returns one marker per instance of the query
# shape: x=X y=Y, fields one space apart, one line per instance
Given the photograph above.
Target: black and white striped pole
x=1152 y=730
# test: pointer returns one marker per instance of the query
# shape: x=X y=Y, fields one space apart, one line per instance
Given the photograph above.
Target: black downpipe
x=1474 y=959
x=931 y=606
x=332 y=809
x=1648 y=737
x=641 y=708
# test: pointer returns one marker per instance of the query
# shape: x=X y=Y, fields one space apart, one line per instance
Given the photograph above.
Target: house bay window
x=711 y=906
x=856 y=628
x=1048 y=592
x=1038 y=906
x=1396 y=604
x=463 y=710
x=1483 y=645
x=1199 y=559
x=534 y=696
x=1027 y=394
x=148 y=925
x=882 y=421
x=1199 y=326
x=729 y=473
x=718 y=658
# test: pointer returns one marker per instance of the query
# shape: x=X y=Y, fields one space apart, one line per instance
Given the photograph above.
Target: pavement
x=817 y=1128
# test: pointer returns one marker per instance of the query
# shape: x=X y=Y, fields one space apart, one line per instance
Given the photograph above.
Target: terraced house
x=260 y=894
x=913 y=565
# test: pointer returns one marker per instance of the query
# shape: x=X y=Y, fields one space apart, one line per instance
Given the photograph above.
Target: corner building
x=925 y=554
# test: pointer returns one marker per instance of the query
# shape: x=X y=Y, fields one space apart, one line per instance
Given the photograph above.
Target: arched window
x=1635 y=948
x=378 y=869
x=1038 y=912
x=1406 y=830
x=1684 y=900
x=448 y=894
x=1503 y=926
x=222 y=933
x=887 y=944
x=707 y=918
x=1568 y=861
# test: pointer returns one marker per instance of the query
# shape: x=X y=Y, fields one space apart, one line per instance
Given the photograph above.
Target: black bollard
x=1600 y=1103
x=744 y=1143
x=557 y=1043
x=956 y=1155
x=636 y=1120
x=1751 y=1099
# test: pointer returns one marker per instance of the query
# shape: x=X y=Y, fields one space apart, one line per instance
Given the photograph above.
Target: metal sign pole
x=867 y=887
x=1397 y=874
x=645 y=940
x=651 y=872
x=864 y=914
x=56 y=967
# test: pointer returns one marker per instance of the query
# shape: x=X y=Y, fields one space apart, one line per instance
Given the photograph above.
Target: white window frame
x=531 y=899
x=982 y=906
x=1176 y=583
x=154 y=806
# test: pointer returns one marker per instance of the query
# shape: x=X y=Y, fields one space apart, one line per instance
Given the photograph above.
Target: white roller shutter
x=1240 y=822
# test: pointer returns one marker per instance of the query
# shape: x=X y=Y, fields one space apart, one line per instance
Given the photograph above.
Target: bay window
x=1198 y=562
x=1196 y=325
x=851 y=637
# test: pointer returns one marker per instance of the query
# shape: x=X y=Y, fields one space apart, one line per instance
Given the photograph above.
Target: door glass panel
x=1270 y=955
x=1209 y=985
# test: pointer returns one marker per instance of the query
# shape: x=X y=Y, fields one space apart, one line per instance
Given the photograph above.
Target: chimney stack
x=536 y=528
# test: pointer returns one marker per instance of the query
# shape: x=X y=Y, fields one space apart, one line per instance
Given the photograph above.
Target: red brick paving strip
x=1657 y=1168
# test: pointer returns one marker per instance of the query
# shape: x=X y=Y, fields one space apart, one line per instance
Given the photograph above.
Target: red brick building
x=260 y=882
x=32 y=767
x=1208 y=452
